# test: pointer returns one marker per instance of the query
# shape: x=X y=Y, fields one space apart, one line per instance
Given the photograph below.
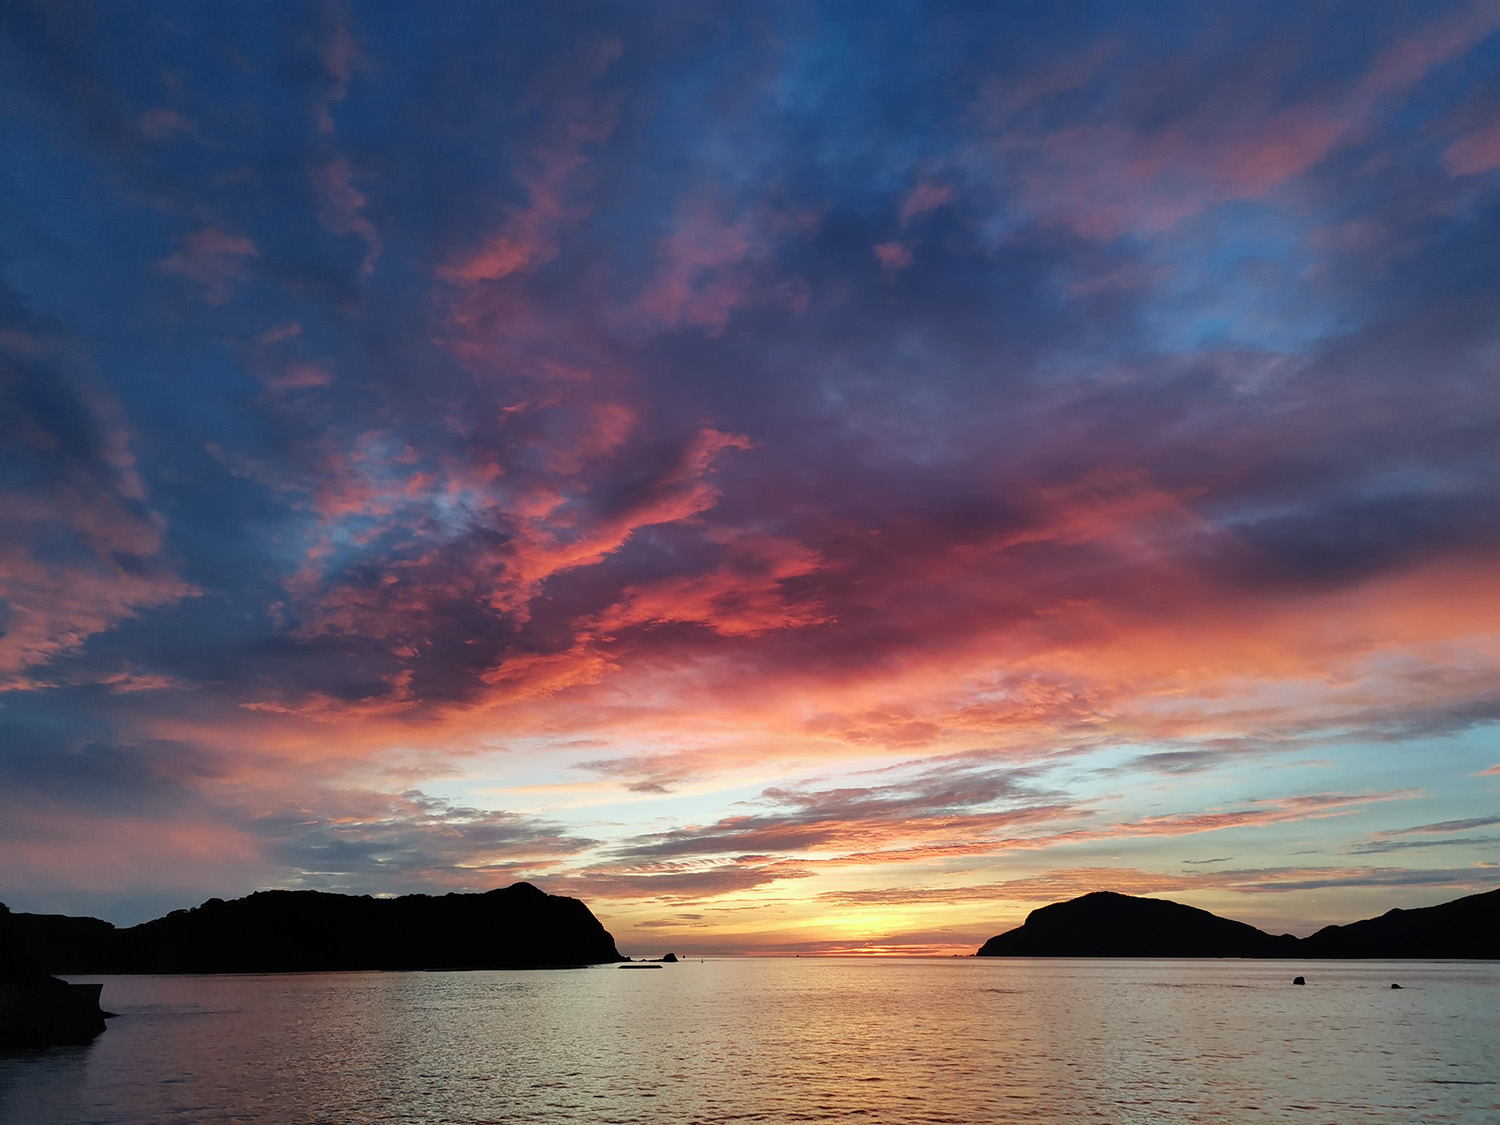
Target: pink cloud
x=704 y=273
x=127 y=682
x=369 y=492
x=893 y=256
x=163 y=124
x=1000 y=97
x=56 y=608
x=542 y=549
x=280 y=332
x=1102 y=180
x=924 y=197
x=530 y=235
x=339 y=53
x=299 y=375
x=114 y=570
x=342 y=208
x=93 y=850
x=215 y=260
x=592 y=431
x=980 y=833
x=1407 y=61
x=1475 y=153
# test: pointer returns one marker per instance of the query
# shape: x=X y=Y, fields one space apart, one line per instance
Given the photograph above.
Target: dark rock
x=1395 y=986
x=309 y=931
x=670 y=959
x=1105 y=924
x=1299 y=980
x=48 y=1013
x=37 y=1009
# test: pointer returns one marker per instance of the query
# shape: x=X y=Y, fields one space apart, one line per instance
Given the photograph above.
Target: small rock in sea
x=670 y=958
x=1395 y=986
x=1298 y=980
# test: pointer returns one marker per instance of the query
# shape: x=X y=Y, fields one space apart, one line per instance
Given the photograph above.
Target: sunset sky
x=797 y=476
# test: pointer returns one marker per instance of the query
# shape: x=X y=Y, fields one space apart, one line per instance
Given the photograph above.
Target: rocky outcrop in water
x=37 y=1009
x=308 y=931
x=1106 y=924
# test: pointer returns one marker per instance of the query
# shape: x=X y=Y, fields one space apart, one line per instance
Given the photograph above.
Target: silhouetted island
x=1106 y=924
x=37 y=1009
x=311 y=931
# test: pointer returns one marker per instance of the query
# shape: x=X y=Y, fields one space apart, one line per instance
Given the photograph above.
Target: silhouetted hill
x=19 y=963
x=308 y=931
x=63 y=943
x=1105 y=924
x=1464 y=928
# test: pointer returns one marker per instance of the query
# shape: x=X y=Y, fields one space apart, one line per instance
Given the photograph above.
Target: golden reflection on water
x=943 y=1040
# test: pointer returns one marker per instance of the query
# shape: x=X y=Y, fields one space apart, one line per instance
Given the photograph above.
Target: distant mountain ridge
x=308 y=931
x=1107 y=924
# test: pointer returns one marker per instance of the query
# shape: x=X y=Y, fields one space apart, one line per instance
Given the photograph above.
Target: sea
x=961 y=1040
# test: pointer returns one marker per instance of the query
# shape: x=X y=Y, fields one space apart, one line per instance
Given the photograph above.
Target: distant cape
x=308 y=931
x=1106 y=924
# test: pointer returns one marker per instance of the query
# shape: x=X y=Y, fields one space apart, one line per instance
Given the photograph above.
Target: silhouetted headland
x=313 y=931
x=1106 y=924
x=1466 y=929
x=37 y=1009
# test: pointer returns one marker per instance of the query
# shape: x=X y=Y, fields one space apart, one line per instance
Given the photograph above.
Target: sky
x=800 y=477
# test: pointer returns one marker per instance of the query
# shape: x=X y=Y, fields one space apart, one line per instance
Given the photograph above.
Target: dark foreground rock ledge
x=37 y=1009
x=1106 y=924
x=310 y=931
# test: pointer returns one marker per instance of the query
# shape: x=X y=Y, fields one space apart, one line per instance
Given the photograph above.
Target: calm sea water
x=899 y=1041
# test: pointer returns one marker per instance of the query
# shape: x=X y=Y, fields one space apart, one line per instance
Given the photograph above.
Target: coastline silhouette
x=309 y=931
x=520 y=926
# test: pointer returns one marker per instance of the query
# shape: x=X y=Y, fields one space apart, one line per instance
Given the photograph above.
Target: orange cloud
x=744 y=596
